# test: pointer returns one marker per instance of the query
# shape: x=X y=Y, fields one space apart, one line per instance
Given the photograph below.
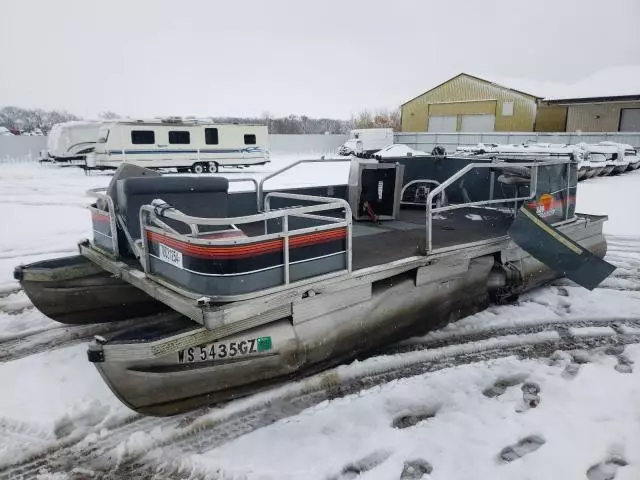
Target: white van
x=187 y=145
x=365 y=141
x=69 y=141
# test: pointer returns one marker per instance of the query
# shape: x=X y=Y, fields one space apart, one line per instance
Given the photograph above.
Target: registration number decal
x=169 y=255
x=222 y=350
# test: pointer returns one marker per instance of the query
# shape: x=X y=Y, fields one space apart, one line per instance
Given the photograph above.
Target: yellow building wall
x=596 y=117
x=551 y=118
x=463 y=93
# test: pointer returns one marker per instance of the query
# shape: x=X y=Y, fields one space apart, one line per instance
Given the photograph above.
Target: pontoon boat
x=267 y=285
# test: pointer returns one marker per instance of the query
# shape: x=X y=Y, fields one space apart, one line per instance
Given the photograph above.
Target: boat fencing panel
x=478 y=184
x=426 y=141
x=550 y=190
x=230 y=263
x=103 y=221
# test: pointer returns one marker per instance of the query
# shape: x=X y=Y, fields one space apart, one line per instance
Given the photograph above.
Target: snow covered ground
x=465 y=421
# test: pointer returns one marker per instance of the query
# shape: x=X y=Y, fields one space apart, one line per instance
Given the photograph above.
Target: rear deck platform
x=377 y=244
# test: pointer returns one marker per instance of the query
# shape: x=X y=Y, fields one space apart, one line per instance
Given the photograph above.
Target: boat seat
x=195 y=196
x=126 y=170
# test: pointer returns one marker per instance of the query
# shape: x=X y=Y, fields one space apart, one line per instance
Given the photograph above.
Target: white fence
x=19 y=149
x=305 y=144
x=426 y=141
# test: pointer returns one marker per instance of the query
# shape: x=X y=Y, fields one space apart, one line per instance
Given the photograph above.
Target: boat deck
x=376 y=244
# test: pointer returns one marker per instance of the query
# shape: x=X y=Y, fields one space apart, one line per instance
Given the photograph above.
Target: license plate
x=169 y=255
x=225 y=350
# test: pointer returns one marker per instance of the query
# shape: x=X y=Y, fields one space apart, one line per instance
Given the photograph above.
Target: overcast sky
x=316 y=58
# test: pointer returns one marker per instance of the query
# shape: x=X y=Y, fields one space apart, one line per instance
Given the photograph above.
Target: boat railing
x=103 y=237
x=255 y=185
x=533 y=181
x=260 y=186
x=279 y=237
x=111 y=213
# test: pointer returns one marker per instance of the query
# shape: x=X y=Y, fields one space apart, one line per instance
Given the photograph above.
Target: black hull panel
x=72 y=290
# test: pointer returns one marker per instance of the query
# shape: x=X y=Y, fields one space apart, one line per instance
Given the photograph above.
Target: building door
x=443 y=123
x=478 y=123
x=629 y=120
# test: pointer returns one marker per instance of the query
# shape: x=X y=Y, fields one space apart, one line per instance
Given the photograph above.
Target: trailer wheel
x=213 y=167
x=200 y=168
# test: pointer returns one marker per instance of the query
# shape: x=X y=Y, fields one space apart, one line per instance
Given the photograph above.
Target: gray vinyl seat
x=195 y=196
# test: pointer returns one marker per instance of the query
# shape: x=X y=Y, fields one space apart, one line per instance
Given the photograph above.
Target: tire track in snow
x=9 y=290
x=37 y=463
x=128 y=451
x=457 y=336
x=20 y=254
x=30 y=343
x=148 y=464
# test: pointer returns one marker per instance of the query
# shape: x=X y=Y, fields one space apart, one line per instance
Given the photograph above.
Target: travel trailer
x=70 y=141
x=187 y=145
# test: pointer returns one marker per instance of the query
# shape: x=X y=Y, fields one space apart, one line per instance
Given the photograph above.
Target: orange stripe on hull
x=244 y=250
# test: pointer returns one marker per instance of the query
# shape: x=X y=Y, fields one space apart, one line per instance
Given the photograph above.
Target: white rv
x=187 y=145
x=70 y=141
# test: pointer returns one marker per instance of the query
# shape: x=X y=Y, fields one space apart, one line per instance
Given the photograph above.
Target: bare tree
x=22 y=120
x=109 y=115
x=378 y=119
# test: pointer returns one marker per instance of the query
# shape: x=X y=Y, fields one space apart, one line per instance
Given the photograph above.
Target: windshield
x=103 y=135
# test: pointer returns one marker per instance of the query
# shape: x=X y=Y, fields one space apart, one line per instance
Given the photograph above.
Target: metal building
x=602 y=114
x=466 y=103
x=607 y=101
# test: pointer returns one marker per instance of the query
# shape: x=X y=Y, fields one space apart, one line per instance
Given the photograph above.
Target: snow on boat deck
x=588 y=414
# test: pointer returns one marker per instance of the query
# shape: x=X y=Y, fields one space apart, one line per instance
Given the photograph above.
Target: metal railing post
x=349 y=243
x=566 y=210
x=492 y=179
x=144 y=253
x=113 y=225
x=429 y=232
x=533 y=186
x=285 y=245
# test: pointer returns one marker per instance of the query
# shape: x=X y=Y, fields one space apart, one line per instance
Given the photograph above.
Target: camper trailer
x=187 y=145
x=70 y=141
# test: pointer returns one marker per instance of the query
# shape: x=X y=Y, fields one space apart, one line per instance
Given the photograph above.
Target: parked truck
x=364 y=142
